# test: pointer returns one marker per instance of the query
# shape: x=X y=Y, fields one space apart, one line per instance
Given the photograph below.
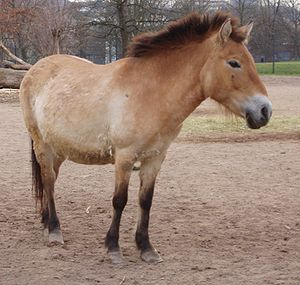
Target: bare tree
x=291 y=12
x=117 y=21
x=273 y=8
x=53 y=22
x=101 y=29
x=244 y=9
x=14 y=16
x=183 y=7
x=268 y=21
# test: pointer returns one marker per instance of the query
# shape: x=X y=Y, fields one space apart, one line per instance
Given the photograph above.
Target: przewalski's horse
x=131 y=110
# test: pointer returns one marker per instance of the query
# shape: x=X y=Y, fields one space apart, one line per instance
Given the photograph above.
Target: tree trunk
x=123 y=26
x=56 y=40
x=10 y=78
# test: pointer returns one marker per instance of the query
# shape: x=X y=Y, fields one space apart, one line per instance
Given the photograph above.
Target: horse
x=132 y=109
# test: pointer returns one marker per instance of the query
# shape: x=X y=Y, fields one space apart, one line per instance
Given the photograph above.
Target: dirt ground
x=223 y=213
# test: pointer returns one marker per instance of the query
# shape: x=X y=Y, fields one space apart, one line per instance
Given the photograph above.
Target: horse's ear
x=246 y=30
x=225 y=31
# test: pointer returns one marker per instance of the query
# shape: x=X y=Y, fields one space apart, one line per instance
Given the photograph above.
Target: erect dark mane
x=194 y=27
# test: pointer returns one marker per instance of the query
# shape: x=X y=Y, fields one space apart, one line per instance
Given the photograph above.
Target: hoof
x=56 y=237
x=151 y=256
x=136 y=166
x=46 y=232
x=116 y=256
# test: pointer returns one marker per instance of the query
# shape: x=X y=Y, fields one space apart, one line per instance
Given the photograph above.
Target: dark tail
x=37 y=184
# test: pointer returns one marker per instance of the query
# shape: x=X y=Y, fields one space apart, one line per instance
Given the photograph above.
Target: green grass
x=281 y=68
x=202 y=125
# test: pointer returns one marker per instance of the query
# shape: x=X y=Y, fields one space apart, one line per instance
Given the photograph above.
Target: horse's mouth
x=252 y=123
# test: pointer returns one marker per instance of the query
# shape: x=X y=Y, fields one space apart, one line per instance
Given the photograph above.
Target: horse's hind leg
x=148 y=173
x=57 y=161
x=49 y=169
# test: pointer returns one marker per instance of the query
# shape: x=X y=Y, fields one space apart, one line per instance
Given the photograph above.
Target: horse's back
x=46 y=70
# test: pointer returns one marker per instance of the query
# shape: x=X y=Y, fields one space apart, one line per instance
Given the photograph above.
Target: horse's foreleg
x=122 y=176
x=148 y=173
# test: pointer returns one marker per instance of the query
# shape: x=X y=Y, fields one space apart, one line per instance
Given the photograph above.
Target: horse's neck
x=181 y=78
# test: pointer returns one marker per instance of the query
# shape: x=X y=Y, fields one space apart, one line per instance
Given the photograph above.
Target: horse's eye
x=234 y=64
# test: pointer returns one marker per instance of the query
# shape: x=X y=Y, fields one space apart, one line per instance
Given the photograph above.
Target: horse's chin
x=253 y=127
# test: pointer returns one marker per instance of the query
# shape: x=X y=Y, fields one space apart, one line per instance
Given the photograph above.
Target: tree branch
x=11 y=55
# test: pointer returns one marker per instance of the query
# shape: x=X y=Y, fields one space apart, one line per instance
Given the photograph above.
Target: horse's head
x=229 y=77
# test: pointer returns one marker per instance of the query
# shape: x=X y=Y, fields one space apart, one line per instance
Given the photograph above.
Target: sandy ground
x=223 y=213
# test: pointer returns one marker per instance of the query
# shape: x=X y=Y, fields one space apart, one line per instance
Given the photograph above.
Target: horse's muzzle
x=258 y=112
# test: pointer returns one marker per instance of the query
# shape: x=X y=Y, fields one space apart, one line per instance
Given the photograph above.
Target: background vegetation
x=100 y=30
x=281 y=68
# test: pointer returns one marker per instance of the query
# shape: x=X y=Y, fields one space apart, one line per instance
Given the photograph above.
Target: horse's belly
x=91 y=157
x=83 y=153
x=80 y=146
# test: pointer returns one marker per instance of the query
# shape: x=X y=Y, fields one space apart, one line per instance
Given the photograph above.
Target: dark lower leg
x=49 y=216
x=119 y=202
x=145 y=201
x=45 y=212
x=53 y=222
x=49 y=221
x=55 y=234
x=45 y=217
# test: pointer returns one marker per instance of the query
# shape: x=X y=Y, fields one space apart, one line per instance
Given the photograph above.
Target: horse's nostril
x=265 y=112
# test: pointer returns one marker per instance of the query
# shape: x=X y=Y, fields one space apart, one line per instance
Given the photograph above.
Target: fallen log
x=10 y=78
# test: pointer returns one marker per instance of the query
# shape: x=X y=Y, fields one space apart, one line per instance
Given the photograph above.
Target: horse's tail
x=37 y=184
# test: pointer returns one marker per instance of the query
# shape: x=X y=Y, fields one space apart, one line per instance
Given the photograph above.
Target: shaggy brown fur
x=194 y=27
